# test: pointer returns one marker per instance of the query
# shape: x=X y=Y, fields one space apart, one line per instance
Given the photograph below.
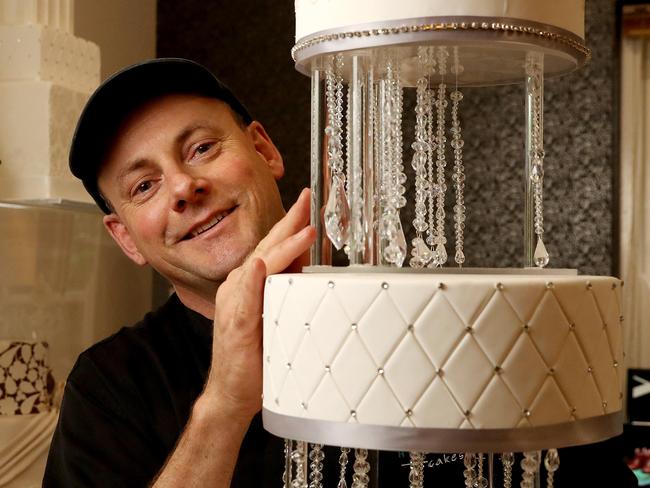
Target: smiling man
x=187 y=180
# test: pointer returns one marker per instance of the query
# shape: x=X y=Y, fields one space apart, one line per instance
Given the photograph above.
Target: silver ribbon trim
x=388 y=438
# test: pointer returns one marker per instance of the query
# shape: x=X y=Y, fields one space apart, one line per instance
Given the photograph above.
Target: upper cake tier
x=314 y=16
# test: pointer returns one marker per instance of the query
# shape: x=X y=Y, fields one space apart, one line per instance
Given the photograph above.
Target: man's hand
x=235 y=380
x=208 y=449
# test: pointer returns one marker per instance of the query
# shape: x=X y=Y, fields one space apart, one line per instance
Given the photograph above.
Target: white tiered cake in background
x=46 y=76
x=27 y=417
x=432 y=359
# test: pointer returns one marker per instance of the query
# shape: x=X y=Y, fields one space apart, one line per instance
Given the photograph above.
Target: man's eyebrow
x=131 y=167
x=184 y=134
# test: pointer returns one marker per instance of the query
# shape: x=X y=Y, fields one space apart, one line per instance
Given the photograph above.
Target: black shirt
x=129 y=397
x=127 y=401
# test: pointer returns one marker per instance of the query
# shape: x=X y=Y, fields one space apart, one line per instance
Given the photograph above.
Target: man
x=188 y=182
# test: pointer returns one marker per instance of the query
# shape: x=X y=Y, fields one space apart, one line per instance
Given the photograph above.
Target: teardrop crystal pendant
x=337 y=214
x=540 y=256
x=395 y=251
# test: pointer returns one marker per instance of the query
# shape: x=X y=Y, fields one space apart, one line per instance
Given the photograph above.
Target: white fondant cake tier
x=33 y=52
x=313 y=16
x=444 y=351
x=46 y=76
x=36 y=127
x=58 y=14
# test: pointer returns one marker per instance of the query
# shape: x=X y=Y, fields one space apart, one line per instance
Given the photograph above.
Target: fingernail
x=303 y=231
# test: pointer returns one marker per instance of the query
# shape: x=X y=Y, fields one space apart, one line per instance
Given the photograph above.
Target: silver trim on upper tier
x=387 y=438
x=447 y=30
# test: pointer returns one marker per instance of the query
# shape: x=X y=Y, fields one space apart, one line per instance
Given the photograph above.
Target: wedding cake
x=46 y=76
x=439 y=357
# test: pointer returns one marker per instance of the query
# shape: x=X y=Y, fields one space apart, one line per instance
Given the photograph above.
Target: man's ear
x=120 y=234
x=265 y=148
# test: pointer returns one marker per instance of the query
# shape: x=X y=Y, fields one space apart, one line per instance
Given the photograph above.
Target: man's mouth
x=209 y=224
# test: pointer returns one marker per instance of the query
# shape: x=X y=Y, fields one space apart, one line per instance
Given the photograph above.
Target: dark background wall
x=247 y=45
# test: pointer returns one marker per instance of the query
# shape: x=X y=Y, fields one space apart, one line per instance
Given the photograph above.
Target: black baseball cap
x=125 y=91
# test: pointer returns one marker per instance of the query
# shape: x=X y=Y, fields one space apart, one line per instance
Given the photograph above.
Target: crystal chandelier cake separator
x=335 y=375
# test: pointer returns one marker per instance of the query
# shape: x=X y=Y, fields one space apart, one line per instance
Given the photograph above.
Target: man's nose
x=187 y=189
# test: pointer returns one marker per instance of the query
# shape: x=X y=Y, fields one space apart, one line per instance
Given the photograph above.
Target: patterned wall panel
x=247 y=44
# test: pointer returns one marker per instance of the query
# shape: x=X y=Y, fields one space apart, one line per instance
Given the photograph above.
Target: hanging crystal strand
x=469 y=460
x=360 y=478
x=434 y=189
x=421 y=254
x=416 y=472
x=458 y=176
x=337 y=210
x=439 y=251
x=316 y=457
x=343 y=463
x=535 y=85
x=508 y=459
x=286 y=476
x=551 y=463
x=299 y=457
x=530 y=465
x=391 y=229
x=346 y=157
x=481 y=481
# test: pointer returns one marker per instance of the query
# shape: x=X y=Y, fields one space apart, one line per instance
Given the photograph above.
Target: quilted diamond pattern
x=440 y=314
x=571 y=370
x=311 y=368
x=329 y=326
x=412 y=301
x=524 y=297
x=497 y=328
x=327 y=402
x=276 y=370
x=381 y=327
x=467 y=357
x=549 y=401
x=548 y=327
x=407 y=358
x=353 y=370
x=524 y=371
x=391 y=411
x=450 y=351
x=447 y=413
x=496 y=408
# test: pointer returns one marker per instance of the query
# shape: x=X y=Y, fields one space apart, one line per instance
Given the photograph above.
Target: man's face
x=193 y=191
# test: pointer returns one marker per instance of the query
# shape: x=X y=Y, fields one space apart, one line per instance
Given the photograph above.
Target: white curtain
x=635 y=199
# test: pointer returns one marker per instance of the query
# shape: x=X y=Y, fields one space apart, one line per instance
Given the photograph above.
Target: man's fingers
x=242 y=293
x=279 y=257
x=296 y=218
x=252 y=281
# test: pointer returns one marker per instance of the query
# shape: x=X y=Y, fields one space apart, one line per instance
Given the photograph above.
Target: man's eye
x=143 y=187
x=203 y=148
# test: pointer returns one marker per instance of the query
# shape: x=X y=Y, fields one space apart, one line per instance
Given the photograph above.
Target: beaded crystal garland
x=337 y=210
